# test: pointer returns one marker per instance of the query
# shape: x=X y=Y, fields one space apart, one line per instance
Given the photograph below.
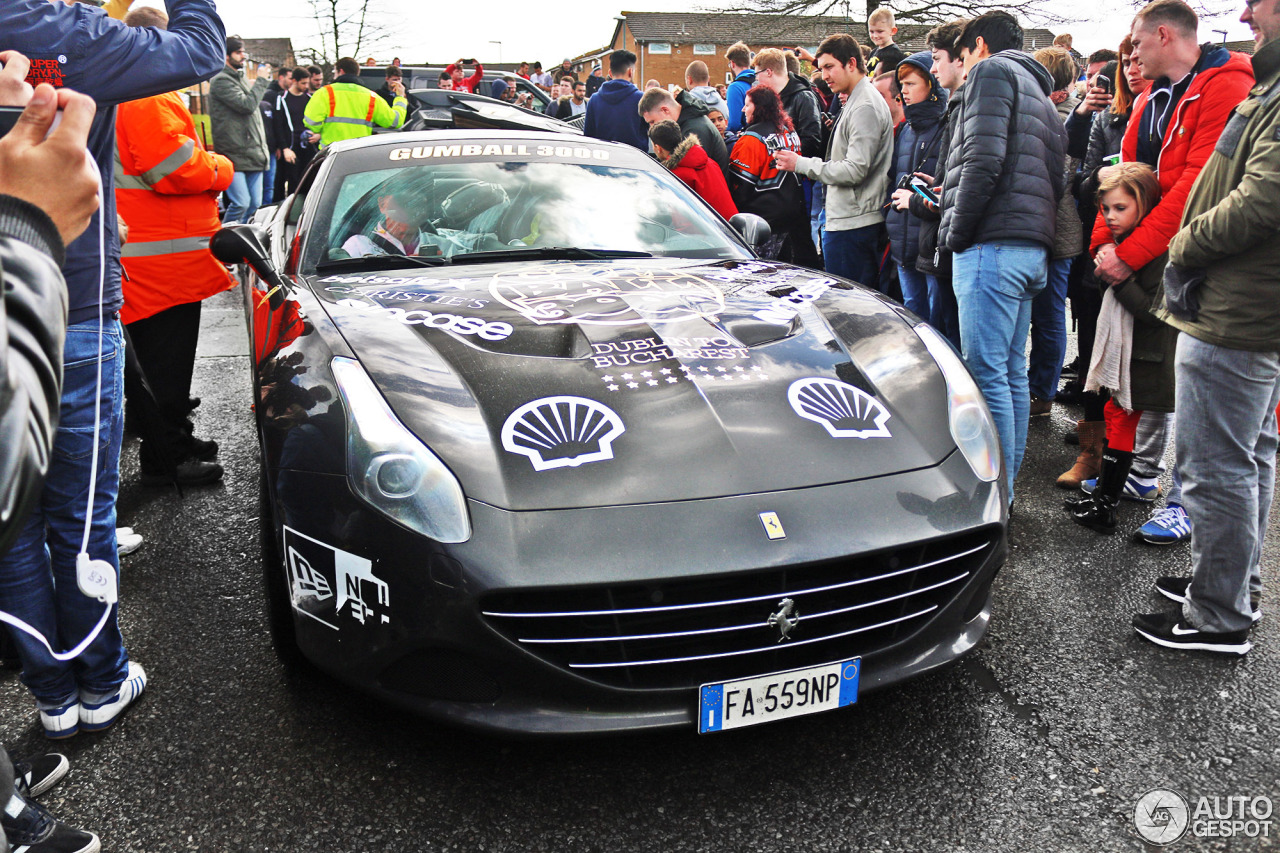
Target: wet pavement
x=1044 y=739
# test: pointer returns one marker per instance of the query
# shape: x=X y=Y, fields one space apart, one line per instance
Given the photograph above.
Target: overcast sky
x=441 y=31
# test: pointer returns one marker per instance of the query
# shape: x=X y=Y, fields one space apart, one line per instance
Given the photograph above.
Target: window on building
x=704 y=50
x=659 y=47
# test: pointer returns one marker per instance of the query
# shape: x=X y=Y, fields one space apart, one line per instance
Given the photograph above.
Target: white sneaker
x=127 y=541
x=94 y=717
x=63 y=722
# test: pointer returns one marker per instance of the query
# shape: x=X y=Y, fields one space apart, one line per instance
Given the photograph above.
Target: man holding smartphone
x=69 y=47
x=856 y=169
x=37 y=218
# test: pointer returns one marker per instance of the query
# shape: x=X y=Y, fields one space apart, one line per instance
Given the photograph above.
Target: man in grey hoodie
x=697 y=82
x=856 y=168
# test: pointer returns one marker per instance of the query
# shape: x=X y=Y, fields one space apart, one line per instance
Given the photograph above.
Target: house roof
x=1247 y=46
x=776 y=30
x=277 y=51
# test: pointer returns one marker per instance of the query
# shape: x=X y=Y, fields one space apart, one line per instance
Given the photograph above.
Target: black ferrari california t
x=546 y=448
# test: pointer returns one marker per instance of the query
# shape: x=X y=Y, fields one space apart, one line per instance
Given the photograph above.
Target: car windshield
x=449 y=210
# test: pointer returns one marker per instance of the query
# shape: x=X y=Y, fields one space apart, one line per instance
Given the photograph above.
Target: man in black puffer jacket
x=1004 y=177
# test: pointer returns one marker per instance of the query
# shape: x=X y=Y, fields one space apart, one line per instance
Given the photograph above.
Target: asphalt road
x=1044 y=739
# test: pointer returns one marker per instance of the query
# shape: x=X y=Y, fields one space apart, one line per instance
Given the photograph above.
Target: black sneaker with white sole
x=1171 y=631
x=30 y=829
x=1175 y=589
x=35 y=776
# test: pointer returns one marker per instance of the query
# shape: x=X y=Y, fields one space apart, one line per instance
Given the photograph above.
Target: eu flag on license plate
x=712 y=708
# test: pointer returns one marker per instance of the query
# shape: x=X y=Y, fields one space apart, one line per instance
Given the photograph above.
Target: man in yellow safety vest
x=347 y=110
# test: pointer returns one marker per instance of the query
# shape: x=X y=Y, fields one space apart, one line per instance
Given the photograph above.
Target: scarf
x=1112 y=349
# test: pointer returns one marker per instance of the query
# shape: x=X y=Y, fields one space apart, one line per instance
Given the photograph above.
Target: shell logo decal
x=843 y=410
x=562 y=432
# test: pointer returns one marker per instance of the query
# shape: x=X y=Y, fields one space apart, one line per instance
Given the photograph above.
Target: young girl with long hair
x=1132 y=350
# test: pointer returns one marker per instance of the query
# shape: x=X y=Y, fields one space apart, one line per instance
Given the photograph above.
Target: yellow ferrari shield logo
x=772 y=525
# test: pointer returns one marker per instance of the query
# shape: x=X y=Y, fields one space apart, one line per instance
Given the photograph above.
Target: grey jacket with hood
x=1005 y=165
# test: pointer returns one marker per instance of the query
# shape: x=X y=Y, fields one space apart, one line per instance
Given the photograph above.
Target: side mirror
x=753 y=229
x=244 y=243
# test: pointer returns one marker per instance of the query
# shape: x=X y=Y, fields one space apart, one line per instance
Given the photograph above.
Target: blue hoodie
x=737 y=96
x=71 y=46
x=915 y=150
x=613 y=114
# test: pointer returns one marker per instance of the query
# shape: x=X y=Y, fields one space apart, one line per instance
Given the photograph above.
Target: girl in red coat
x=689 y=162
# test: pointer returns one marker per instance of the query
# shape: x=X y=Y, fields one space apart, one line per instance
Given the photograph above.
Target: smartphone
x=8 y=118
x=925 y=193
x=1103 y=82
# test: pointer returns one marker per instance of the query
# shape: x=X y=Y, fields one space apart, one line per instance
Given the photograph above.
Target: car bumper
x=443 y=630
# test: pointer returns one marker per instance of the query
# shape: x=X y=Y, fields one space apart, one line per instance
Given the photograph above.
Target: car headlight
x=971 y=425
x=390 y=469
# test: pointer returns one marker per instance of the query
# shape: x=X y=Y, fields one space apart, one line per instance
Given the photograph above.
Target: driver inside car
x=395 y=233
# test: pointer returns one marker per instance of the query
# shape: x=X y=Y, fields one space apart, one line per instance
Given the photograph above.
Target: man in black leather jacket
x=1004 y=177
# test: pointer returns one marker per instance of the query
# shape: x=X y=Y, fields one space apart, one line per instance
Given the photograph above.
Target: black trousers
x=165 y=345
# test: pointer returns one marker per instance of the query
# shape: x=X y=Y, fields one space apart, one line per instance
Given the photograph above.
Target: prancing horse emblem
x=785 y=620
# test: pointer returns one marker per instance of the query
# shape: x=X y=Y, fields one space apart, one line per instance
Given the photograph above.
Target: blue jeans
x=1049 y=332
x=818 y=213
x=915 y=290
x=943 y=314
x=38 y=575
x=269 y=181
x=852 y=254
x=1226 y=436
x=995 y=284
x=244 y=197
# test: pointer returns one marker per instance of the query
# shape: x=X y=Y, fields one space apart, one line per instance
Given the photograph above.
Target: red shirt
x=466 y=84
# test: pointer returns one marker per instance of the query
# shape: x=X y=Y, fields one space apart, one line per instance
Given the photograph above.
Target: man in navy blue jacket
x=611 y=112
x=80 y=47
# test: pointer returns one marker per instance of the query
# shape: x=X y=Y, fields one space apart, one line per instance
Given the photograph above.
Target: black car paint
x=428 y=648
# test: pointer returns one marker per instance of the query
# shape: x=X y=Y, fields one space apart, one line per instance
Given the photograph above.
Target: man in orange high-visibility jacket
x=166 y=192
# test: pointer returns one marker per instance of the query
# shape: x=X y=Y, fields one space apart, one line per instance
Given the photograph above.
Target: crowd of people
x=984 y=186
x=987 y=188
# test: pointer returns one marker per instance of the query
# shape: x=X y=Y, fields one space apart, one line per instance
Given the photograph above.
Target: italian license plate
x=765 y=698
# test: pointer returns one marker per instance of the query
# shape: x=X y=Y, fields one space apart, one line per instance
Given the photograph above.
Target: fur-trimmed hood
x=690 y=142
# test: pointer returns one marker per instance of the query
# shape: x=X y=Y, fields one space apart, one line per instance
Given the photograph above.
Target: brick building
x=666 y=42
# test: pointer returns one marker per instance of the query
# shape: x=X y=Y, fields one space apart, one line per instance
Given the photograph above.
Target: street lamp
x=499 y=44
x=1224 y=35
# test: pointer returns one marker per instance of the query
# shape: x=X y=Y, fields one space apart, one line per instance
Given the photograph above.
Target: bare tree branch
x=345 y=28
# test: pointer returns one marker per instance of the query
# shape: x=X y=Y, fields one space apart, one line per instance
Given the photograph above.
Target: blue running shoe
x=1133 y=489
x=1167 y=526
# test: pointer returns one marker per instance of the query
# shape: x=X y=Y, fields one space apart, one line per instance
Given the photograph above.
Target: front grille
x=688 y=631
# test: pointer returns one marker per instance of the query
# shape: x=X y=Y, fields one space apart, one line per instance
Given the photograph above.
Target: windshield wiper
x=380 y=262
x=568 y=253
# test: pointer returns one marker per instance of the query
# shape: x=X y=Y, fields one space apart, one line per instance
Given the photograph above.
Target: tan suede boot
x=1093 y=436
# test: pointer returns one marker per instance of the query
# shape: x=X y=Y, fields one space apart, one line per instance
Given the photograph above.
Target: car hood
x=561 y=384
